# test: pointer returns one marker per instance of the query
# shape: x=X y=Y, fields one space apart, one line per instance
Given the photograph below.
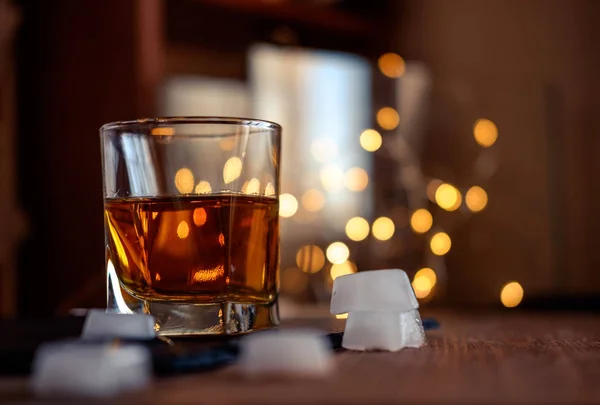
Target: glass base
x=180 y=318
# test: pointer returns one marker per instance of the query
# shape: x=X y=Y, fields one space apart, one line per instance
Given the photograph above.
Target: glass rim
x=264 y=124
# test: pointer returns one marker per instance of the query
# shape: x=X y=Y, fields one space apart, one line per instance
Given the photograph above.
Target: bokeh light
x=511 y=294
x=422 y=286
x=448 y=197
x=391 y=65
x=357 y=229
x=337 y=252
x=427 y=273
x=485 y=132
x=332 y=178
x=342 y=269
x=476 y=199
x=370 y=140
x=388 y=118
x=356 y=179
x=313 y=200
x=421 y=220
x=232 y=169
x=227 y=144
x=199 y=216
x=183 y=230
x=252 y=187
x=341 y=316
x=324 y=150
x=383 y=228
x=288 y=205
x=432 y=187
x=203 y=187
x=184 y=180
x=310 y=258
x=440 y=243
x=269 y=190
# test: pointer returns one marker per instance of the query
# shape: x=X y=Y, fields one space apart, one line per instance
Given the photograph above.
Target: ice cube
x=375 y=290
x=383 y=330
x=102 y=325
x=293 y=352
x=79 y=369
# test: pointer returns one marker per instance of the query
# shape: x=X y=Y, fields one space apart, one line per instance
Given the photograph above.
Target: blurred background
x=457 y=140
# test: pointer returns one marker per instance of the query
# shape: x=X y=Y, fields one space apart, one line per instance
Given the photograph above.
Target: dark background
x=531 y=65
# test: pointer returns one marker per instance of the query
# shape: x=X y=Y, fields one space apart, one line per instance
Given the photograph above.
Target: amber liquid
x=201 y=249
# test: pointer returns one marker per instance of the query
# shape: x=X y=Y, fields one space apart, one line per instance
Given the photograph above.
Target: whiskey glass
x=191 y=218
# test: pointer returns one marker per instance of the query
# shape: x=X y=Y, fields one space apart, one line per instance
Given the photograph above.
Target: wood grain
x=487 y=358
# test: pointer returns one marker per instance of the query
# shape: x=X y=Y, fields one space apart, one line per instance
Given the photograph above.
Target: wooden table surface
x=499 y=358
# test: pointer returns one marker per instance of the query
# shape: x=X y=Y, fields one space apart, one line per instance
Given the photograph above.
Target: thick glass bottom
x=180 y=318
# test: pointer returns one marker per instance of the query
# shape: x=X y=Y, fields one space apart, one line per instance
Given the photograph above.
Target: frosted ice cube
x=102 y=325
x=295 y=352
x=375 y=290
x=380 y=330
x=77 y=369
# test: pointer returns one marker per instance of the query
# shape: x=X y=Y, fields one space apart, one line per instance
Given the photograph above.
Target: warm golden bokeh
x=183 y=230
x=332 y=178
x=440 y=243
x=252 y=187
x=184 y=180
x=511 y=294
x=448 y=197
x=383 y=228
x=432 y=187
x=429 y=274
x=227 y=144
x=310 y=259
x=391 y=65
x=357 y=229
x=485 y=132
x=370 y=140
x=421 y=220
x=313 y=200
x=199 y=216
x=288 y=205
x=337 y=252
x=232 y=169
x=356 y=179
x=422 y=286
x=388 y=118
x=476 y=199
x=269 y=190
x=342 y=269
x=203 y=187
